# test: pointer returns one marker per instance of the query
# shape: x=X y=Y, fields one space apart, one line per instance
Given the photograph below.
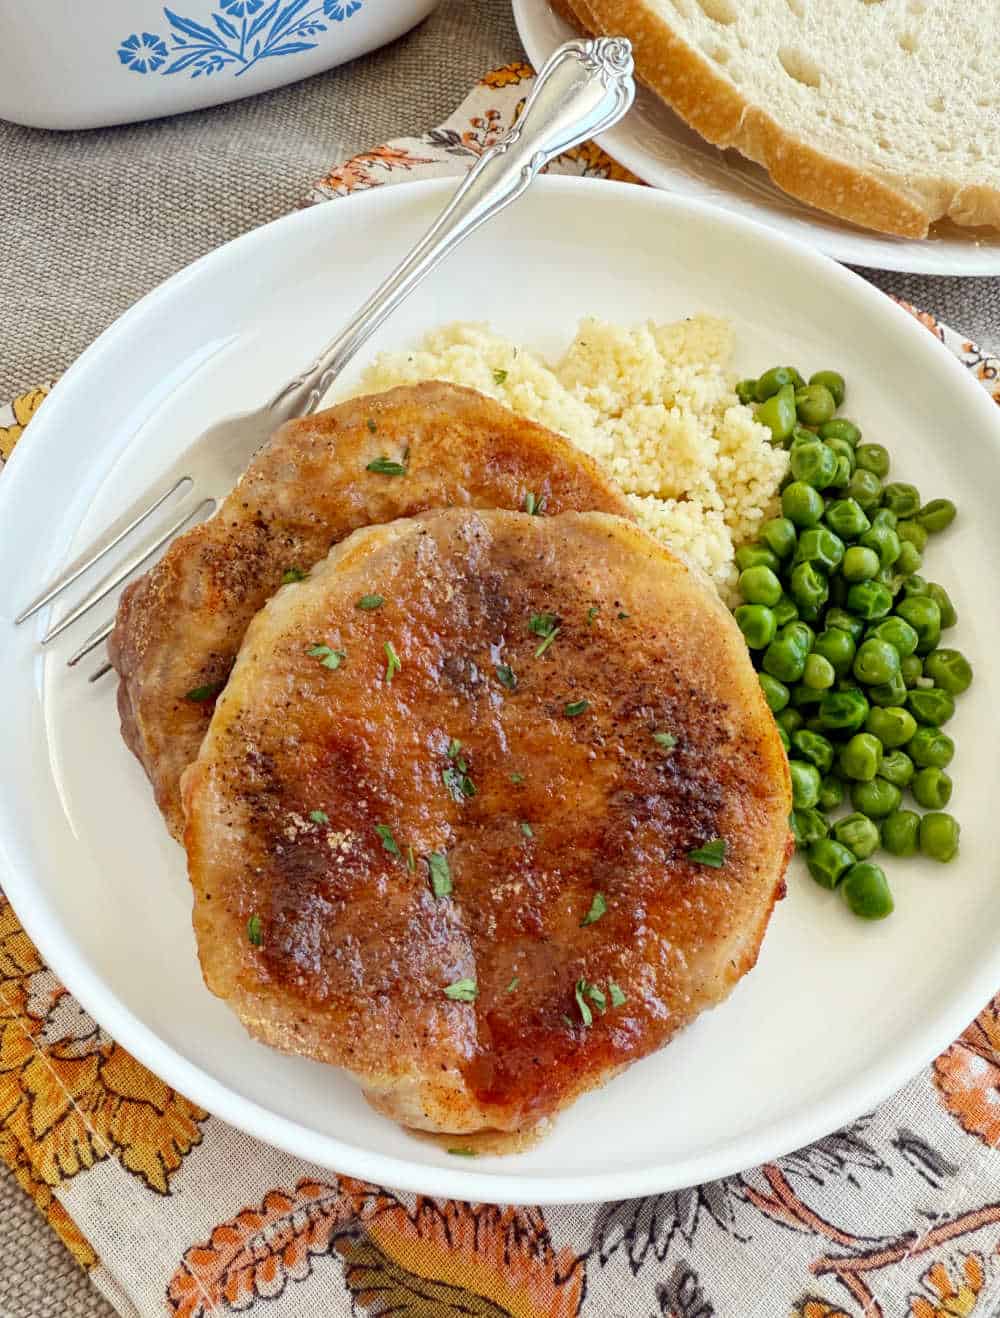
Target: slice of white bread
x=884 y=112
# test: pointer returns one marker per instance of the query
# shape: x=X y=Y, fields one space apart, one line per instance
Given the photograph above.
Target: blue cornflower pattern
x=143 y=52
x=240 y=8
x=338 y=10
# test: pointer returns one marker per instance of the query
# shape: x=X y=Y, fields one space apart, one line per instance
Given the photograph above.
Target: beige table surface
x=91 y=221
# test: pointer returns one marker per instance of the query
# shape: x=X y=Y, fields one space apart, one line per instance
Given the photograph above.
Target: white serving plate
x=658 y=146
x=838 y=1013
x=67 y=64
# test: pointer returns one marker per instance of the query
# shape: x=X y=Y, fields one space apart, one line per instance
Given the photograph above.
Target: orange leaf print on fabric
x=52 y=1210
x=967 y=1076
x=818 y=1309
x=261 y=1249
x=596 y=163
x=359 y=173
x=508 y=75
x=504 y=1255
x=25 y=406
x=950 y=1294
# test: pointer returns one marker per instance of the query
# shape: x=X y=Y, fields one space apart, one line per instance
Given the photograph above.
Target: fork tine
x=96 y=676
x=115 y=533
x=92 y=642
x=130 y=564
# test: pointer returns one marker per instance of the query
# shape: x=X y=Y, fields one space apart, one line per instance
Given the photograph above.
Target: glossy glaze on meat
x=179 y=627
x=355 y=950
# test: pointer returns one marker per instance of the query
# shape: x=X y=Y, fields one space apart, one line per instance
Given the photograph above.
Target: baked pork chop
x=368 y=460
x=488 y=842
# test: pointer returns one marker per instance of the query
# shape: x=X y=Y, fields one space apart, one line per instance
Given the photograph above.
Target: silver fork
x=584 y=88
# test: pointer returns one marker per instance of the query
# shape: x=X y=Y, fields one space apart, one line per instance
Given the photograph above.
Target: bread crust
x=716 y=109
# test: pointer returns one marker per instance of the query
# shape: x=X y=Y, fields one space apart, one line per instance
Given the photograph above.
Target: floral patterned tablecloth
x=175 y=1213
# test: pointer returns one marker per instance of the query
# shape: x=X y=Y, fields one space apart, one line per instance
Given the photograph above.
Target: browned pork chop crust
x=179 y=627
x=562 y=825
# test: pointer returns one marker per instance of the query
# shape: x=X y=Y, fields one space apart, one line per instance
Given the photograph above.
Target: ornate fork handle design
x=583 y=89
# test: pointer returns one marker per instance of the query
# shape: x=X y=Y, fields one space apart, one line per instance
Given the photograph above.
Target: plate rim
x=60 y=953
x=897 y=254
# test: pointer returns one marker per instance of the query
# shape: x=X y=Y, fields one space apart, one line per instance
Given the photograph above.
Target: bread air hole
x=799 y=66
x=908 y=42
x=720 y=11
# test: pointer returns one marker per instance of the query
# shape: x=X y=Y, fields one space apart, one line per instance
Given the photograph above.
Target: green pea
x=785 y=611
x=877 y=798
x=860 y=757
x=813 y=463
x=941 y=598
x=778 y=413
x=778 y=377
x=840 y=428
x=746 y=391
x=866 y=489
x=818 y=674
x=820 y=546
x=897 y=768
x=845 y=622
x=885 y=542
x=924 y=616
x=834 y=382
x=893 y=726
x=808 y=586
x=869 y=600
x=775 y=693
x=885 y=517
x=759 y=585
x=814 y=747
x=875 y=662
x=897 y=631
x=866 y=891
x=814 y=404
x=931 y=748
x=801 y=632
x=779 y=535
x=847 y=518
x=901 y=833
x=837 y=647
x=756 y=622
x=828 y=861
x=911 y=669
x=803 y=695
x=785 y=657
x=914 y=585
x=939 y=836
x=860 y=564
x=873 y=457
x=783 y=738
x=913 y=532
x=842 y=711
x=858 y=833
x=805 y=784
x=931 y=788
x=802 y=504
x=888 y=693
x=808 y=826
x=902 y=499
x=931 y=705
x=831 y=793
x=757 y=556
x=842 y=450
x=909 y=560
x=842 y=475
x=937 y=515
x=950 y=670
x=790 y=720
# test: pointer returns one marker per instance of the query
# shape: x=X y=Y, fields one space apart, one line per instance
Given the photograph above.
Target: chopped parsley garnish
x=463 y=990
x=463 y=1153
x=319 y=816
x=454 y=746
x=388 y=841
x=576 y=707
x=586 y=1015
x=622 y=617
x=617 y=996
x=370 y=602
x=393 y=665
x=526 y=829
x=440 y=873
x=371 y=425
x=546 y=625
x=712 y=853
x=200 y=693
x=292 y=574
x=666 y=740
x=327 y=657
x=253 y=930
x=517 y=779
x=457 y=781
x=386 y=467
x=411 y=860
x=512 y=985
x=592 y=613
x=598 y=907
x=567 y=1021
x=533 y=505
x=596 y=995
x=507 y=677
x=499 y=376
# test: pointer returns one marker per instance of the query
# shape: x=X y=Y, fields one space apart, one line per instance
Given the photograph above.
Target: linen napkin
x=175 y=1213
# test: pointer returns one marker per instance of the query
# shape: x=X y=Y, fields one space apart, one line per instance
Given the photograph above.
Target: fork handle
x=583 y=88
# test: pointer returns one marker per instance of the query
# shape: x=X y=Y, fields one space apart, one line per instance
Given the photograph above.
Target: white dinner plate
x=658 y=146
x=837 y=1014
